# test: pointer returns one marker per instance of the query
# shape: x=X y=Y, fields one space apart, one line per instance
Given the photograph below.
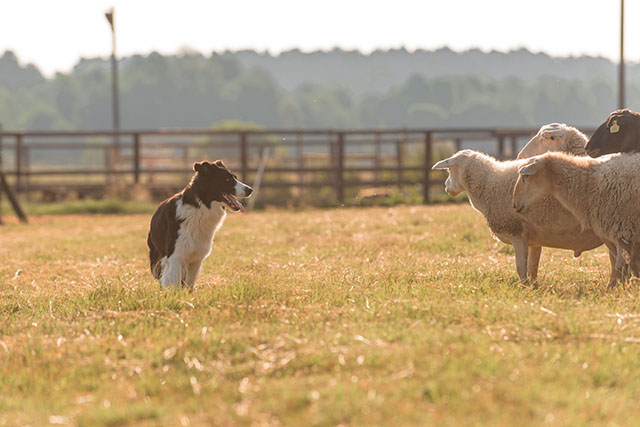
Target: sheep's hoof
x=528 y=284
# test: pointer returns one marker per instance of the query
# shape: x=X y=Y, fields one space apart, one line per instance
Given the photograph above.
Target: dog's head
x=215 y=182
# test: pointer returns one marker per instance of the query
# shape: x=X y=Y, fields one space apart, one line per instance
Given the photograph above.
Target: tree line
x=335 y=89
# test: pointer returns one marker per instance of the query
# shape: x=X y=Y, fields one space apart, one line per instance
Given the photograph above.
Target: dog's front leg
x=193 y=272
x=172 y=275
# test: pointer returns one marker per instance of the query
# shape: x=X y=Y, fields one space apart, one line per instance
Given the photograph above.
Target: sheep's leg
x=623 y=254
x=521 y=249
x=613 y=272
x=533 y=261
x=635 y=260
x=630 y=262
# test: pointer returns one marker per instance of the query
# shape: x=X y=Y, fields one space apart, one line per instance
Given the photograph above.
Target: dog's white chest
x=197 y=229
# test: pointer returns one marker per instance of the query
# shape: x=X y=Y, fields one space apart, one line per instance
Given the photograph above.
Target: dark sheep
x=620 y=133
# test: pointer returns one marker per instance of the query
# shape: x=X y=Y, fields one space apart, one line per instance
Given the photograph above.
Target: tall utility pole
x=114 y=85
x=621 y=69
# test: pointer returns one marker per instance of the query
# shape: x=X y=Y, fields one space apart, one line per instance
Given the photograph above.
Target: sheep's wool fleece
x=489 y=184
x=603 y=193
x=575 y=141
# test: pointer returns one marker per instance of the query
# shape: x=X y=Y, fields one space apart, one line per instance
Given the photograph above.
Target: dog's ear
x=199 y=166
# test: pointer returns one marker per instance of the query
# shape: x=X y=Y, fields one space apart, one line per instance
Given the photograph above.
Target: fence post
x=108 y=177
x=0 y=172
x=26 y=167
x=340 y=168
x=300 y=153
x=378 y=153
x=514 y=146
x=18 y=160
x=185 y=157
x=136 y=158
x=501 y=147
x=428 y=160
x=399 y=153
x=243 y=156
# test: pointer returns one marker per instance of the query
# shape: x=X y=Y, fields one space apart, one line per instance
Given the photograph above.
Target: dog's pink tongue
x=234 y=203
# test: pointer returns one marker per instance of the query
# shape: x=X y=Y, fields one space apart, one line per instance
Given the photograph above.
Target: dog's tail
x=154 y=259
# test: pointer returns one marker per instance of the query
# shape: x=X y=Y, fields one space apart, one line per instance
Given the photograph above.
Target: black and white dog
x=183 y=226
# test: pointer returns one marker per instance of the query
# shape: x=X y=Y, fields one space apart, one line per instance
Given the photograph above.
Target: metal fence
x=335 y=163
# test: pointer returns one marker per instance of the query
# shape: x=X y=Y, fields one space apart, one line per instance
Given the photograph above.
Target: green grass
x=85 y=206
x=376 y=316
x=410 y=196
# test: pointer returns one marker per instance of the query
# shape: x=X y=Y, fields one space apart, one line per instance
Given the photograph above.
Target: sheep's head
x=619 y=133
x=551 y=137
x=455 y=166
x=533 y=183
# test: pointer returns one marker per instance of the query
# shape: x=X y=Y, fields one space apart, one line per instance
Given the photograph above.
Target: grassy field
x=376 y=316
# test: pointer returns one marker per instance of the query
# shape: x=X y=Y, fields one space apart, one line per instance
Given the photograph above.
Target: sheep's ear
x=615 y=127
x=529 y=169
x=446 y=163
x=553 y=134
x=616 y=120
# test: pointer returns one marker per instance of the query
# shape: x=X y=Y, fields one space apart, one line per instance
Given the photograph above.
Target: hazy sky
x=54 y=34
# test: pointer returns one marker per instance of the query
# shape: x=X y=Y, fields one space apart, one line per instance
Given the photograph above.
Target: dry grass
x=396 y=316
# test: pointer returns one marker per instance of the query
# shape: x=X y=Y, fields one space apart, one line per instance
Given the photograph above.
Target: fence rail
x=343 y=161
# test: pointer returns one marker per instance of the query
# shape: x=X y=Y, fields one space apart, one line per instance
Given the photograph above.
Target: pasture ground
x=376 y=316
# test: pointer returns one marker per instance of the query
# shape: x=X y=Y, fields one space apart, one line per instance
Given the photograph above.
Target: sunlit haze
x=54 y=35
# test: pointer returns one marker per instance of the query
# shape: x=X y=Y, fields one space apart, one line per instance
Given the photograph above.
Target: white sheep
x=555 y=137
x=603 y=194
x=489 y=185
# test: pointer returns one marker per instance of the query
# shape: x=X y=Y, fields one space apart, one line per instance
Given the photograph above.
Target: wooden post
x=136 y=158
x=300 y=153
x=500 y=147
x=18 y=168
x=621 y=65
x=185 y=157
x=107 y=165
x=514 y=146
x=264 y=158
x=340 y=168
x=332 y=162
x=378 y=154
x=26 y=167
x=458 y=144
x=0 y=172
x=428 y=160
x=399 y=160
x=244 y=168
x=4 y=186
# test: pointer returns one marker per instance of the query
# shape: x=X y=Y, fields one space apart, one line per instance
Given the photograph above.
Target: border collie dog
x=183 y=226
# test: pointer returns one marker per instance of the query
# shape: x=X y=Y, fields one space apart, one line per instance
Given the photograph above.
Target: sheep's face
x=550 y=137
x=532 y=185
x=619 y=133
x=452 y=184
x=454 y=165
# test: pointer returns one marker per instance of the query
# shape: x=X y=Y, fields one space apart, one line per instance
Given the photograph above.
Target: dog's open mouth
x=232 y=202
